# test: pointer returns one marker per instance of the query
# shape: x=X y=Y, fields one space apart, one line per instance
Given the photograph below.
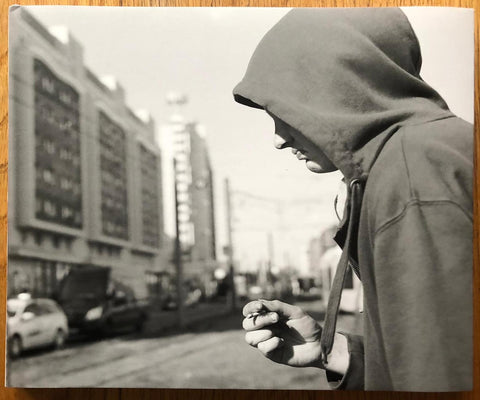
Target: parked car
x=96 y=303
x=34 y=323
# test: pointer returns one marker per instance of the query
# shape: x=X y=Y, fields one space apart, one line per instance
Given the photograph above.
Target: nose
x=280 y=142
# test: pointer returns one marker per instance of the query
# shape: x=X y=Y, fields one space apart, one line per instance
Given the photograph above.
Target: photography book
x=240 y=198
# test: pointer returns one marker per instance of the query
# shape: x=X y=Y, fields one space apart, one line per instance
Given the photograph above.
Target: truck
x=95 y=303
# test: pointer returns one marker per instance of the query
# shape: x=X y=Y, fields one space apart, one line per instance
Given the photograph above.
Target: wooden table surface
x=187 y=394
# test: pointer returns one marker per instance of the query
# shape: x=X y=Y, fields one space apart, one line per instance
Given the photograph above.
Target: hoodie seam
x=427 y=121
x=418 y=202
x=404 y=155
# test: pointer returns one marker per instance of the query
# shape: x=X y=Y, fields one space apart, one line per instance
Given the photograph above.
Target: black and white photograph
x=240 y=198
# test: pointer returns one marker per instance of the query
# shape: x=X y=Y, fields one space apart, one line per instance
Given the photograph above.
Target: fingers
x=252 y=307
x=260 y=321
x=284 y=310
x=270 y=345
x=264 y=340
x=253 y=338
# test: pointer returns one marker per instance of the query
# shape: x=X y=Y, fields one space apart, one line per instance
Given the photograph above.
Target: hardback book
x=158 y=239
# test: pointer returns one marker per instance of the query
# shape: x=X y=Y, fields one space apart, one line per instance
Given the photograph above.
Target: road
x=212 y=354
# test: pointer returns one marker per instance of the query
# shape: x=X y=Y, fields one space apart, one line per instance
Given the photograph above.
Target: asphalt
x=210 y=352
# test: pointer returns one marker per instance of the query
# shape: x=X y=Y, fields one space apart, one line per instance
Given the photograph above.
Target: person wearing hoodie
x=343 y=87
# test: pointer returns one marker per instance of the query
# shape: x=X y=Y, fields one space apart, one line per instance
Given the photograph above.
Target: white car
x=34 y=323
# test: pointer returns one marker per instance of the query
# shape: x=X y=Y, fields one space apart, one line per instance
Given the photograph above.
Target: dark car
x=96 y=303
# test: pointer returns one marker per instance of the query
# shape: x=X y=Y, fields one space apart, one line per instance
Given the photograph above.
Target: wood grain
x=147 y=394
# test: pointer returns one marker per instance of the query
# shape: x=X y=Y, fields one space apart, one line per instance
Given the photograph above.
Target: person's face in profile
x=287 y=136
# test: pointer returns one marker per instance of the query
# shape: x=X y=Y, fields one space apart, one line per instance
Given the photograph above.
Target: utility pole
x=270 y=255
x=178 y=255
x=228 y=204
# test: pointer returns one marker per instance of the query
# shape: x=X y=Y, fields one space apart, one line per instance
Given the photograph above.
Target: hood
x=346 y=78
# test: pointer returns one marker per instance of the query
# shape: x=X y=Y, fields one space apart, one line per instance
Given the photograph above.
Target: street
x=212 y=354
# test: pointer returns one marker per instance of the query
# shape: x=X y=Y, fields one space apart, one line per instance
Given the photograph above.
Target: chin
x=314 y=167
x=319 y=169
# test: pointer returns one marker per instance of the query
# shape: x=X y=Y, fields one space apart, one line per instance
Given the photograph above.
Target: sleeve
x=354 y=377
x=423 y=280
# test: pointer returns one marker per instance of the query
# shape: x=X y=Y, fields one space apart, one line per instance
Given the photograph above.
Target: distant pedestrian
x=343 y=87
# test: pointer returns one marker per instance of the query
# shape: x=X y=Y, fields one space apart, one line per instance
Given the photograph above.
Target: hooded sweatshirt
x=349 y=80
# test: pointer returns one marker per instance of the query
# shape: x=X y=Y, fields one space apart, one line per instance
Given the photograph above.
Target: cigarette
x=255 y=314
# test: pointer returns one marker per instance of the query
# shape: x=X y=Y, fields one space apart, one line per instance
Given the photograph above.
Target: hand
x=283 y=333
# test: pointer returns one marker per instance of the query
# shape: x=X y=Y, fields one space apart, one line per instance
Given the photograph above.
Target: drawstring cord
x=328 y=333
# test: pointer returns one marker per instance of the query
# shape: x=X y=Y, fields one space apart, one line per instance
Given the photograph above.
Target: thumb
x=284 y=310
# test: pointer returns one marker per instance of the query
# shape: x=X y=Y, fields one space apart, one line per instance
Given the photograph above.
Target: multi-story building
x=84 y=169
x=203 y=215
x=195 y=192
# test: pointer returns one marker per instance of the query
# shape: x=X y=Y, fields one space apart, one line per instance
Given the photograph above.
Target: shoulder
x=439 y=159
x=426 y=163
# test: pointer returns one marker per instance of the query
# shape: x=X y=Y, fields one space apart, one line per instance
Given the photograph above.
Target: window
x=34 y=308
x=48 y=307
x=65 y=154
x=48 y=85
x=65 y=124
x=48 y=177
x=49 y=146
x=65 y=98
x=66 y=184
x=67 y=212
x=50 y=208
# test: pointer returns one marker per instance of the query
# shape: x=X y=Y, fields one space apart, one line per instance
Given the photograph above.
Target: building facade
x=84 y=169
x=193 y=178
x=203 y=215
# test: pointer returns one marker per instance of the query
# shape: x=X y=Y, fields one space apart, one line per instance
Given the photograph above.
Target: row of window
x=150 y=234
x=48 y=177
x=58 y=118
x=58 y=164
x=111 y=132
x=113 y=178
x=111 y=181
x=110 y=161
x=47 y=83
x=116 y=230
x=52 y=210
x=113 y=204
x=107 y=195
x=56 y=150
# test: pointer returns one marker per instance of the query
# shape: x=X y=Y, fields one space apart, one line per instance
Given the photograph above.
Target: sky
x=203 y=53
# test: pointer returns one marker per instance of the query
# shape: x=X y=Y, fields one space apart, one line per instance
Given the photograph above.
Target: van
x=96 y=303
